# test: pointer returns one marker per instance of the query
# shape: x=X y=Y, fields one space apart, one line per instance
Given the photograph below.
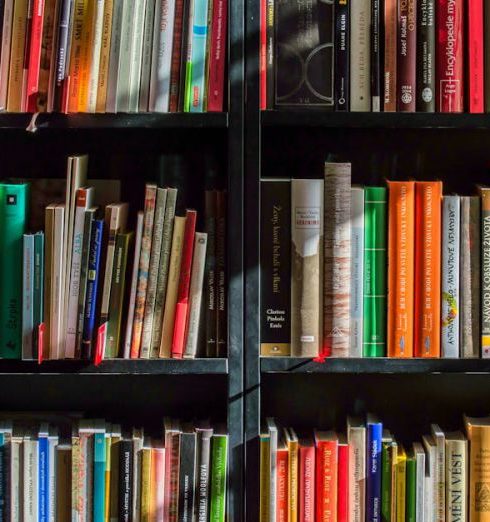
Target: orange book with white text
x=326 y=443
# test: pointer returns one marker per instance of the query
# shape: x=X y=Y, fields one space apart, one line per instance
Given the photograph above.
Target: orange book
x=326 y=443
x=427 y=331
x=157 y=481
x=86 y=56
x=401 y=252
x=80 y=14
x=282 y=464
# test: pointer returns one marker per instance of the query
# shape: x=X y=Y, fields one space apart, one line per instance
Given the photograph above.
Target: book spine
x=342 y=55
x=30 y=478
x=456 y=478
x=219 y=462
x=49 y=49
x=420 y=493
x=485 y=273
x=293 y=500
x=450 y=277
x=136 y=55
x=80 y=15
x=337 y=260
x=427 y=329
x=282 y=486
x=35 y=52
x=440 y=479
x=195 y=296
x=426 y=52
x=386 y=483
x=186 y=66
x=264 y=509
x=15 y=479
x=43 y=493
x=28 y=298
x=87 y=43
x=92 y=286
x=173 y=493
x=105 y=50
x=469 y=284
x=326 y=480
x=201 y=506
x=390 y=55
x=411 y=492
x=373 y=480
x=99 y=464
x=124 y=70
x=221 y=280
x=343 y=483
x=199 y=40
x=357 y=272
x=270 y=50
x=407 y=55
x=450 y=60
x=176 y=72
x=144 y=96
x=125 y=479
x=96 y=46
x=115 y=50
x=401 y=468
x=57 y=284
x=217 y=56
x=479 y=443
x=360 y=65
x=158 y=464
x=357 y=473
x=306 y=484
x=5 y=51
x=375 y=56
x=263 y=56
x=210 y=275
x=486 y=63
x=275 y=268
x=3 y=479
x=62 y=55
x=306 y=233
x=476 y=56
x=374 y=309
x=38 y=285
x=145 y=484
x=401 y=265
x=186 y=476
x=17 y=52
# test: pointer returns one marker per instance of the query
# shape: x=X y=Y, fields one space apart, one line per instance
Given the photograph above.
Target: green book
x=386 y=477
x=13 y=218
x=219 y=460
x=116 y=302
x=99 y=476
x=374 y=321
x=411 y=485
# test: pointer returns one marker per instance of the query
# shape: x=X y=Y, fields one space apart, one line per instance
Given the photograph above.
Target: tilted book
x=357 y=271
x=306 y=255
x=485 y=272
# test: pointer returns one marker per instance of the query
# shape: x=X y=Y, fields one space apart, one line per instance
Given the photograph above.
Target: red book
x=36 y=34
x=407 y=55
x=343 y=481
x=450 y=43
x=475 y=57
x=217 y=56
x=176 y=52
x=282 y=463
x=306 y=480
x=263 y=56
x=184 y=284
x=326 y=476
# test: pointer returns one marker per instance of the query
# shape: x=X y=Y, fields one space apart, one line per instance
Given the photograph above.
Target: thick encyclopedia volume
x=360 y=68
x=275 y=263
x=426 y=54
x=357 y=271
x=450 y=58
x=342 y=55
x=485 y=271
x=407 y=55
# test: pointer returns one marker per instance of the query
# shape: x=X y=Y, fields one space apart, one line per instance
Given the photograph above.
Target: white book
x=440 y=474
x=360 y=56
x=451 y=206
x=53 y=440
x=30 y=475
x=195 y=294
x=419 y=453
x=147 y=55
x=162 y=55
x=57 y=285
x=117 y=15
x=16 y=475
x=357 y=271
x=136 y=54
x=95 y=58
x=430 y=477
x=456 y=477
x=124 y=72
x=28 y=298
x=273 y=434
x=134 y=285
x=5 y=56
x=86 y=197
x=356 y=437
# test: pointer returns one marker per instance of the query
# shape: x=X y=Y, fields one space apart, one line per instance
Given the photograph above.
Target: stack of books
x=112 y=55
x=369 y=55
x=365 y=474
x=82 y=285
x=399 y=270
x=63 y=468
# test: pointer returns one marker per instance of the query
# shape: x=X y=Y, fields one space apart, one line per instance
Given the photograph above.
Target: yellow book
x=75 y=466
x=88 y=29
x=265 y=471
x=145 y=484
x=79 y=16
x=478 y=431
x=292 y=444
x=108 y=443
x=394 y=457
x=15 y=101
x=104 y=56
x=401 y=472
x=172 y=287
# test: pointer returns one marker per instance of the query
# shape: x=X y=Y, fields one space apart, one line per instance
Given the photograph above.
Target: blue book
x=28 y=298
x=43 y=479
x=198 y=55
x=92 y=283
x=100 y=458
x=373 y=469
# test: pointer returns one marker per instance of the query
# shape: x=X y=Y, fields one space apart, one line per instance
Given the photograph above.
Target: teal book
x=13 y=218
x=198 y=55
x=374 y=308
x=219 y=461
x=411 y=485
x=100 y=458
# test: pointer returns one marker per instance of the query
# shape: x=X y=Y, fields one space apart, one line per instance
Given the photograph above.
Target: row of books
x=366 y=475
x=71 y=286
x=349 y=271
x=369 y=55
x=80 y=469
x=112 y=55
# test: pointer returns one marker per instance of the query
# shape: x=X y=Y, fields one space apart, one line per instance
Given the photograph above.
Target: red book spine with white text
x=450 y=58
x=475 y=57
x=282 y=462
x=263 y=56
x=306 y=483
x=326 y=481
x=182 y=306
x=343 y=483
x=34 y=54
x=217 y=56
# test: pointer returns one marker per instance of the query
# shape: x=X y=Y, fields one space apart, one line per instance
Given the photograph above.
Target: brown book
x=407 y=55
x=176 y=56
x=390 y=29
x=15 y=102
x=63 y=482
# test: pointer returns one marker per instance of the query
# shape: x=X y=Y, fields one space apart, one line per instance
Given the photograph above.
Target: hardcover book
x=485 y=271
x=407 y=55
x=374 y=434
x=390 y=55
x=456 y=477
x=426 y=53
x=28 y=297
x=475 y=35
x=360 y=64
x=357 y=272
x=326 y=459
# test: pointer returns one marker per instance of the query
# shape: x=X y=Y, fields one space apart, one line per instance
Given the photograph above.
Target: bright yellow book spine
x=104 y=56
x=145 y=484
x=265 y=478
x=293 y=480
x=86 y=54
x=401 y=473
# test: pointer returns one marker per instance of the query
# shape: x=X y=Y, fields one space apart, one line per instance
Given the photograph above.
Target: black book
x=125 y=479
x=342 y=54
x=187 y=470
x=426 y=56
x=375 y=56
x=203 y=453
x=211 y=323
x=275 y=267
x=270 y=48
x=221 y=274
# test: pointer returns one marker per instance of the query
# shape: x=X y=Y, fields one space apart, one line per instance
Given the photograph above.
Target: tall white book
x=95 y=58
x=30 y=468
x=419 y=453
x=57 y=337
x=136 y=54
x=430 y=477
x=356 y=437
x=439 y=494
x=451 y=206
x=360 y=56
x=357 y=271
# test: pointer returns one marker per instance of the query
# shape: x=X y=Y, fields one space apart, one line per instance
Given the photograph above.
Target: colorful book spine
x=426 y=53
x=95 y=45
x=337 y=260
x=63 y=53
x=28 y=298
x=390 y=55
x=357 y=272
x=475 y=40
x=13 y=217
x=401 y=265
x=100 y=457
x=15 y=100
x=219 y=459
x=217 y=56
x=427 y=329
x=374 y=309
x=105 y=50
x=270 y=50
x=177 y=51
x=263 y=56
x=450 y=58
x=34 y=62
x=373 y=480
x=450 y=277
x=407 y=55
x=293 y=475
x=282 y=484
x=326 y=479
x=306 y=481
x=5 y=51
x=199 y=39
x=400 y=490
x=342 y=55
x=343 y=482
x=485 y=272
x=43 y=480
